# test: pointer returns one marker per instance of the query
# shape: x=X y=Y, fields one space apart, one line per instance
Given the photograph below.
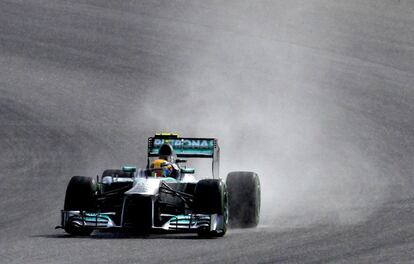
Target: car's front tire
x=80 y=196
x=211 y=198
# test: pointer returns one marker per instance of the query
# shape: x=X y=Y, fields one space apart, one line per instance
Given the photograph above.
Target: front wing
x=178 y=223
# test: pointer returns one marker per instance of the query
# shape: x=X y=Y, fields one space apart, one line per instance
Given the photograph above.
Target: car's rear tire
x=244 y=199
x=80 y=196
x=211 y=198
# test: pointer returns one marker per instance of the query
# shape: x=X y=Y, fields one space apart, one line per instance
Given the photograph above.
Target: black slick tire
x=211 y=198
x=80 y=196
x=244 y=199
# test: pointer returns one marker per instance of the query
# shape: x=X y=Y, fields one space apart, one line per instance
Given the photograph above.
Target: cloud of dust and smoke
x=253 y=83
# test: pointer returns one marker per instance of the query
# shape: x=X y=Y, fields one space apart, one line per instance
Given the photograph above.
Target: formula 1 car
x=135 y=200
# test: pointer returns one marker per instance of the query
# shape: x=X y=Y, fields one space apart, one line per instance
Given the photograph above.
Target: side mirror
x=187 y=170
x=129 y=169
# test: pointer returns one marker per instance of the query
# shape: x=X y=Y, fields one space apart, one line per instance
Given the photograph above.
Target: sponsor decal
x=201 y=144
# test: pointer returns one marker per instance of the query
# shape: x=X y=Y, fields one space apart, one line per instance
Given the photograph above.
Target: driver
x=166 y=152
x=164 y=168
x=161 y=168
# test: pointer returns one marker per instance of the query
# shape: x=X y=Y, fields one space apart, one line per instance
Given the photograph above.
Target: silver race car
x=165 y=196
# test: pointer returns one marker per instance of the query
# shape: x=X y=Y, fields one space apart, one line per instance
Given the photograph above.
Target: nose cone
x=145 y=186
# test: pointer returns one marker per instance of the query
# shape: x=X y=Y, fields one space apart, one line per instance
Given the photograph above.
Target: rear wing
x=187 y=148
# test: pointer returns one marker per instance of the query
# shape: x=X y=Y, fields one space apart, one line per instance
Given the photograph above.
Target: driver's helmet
x=161 y=168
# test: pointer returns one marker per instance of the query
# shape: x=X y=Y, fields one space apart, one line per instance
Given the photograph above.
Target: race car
x=166 y=195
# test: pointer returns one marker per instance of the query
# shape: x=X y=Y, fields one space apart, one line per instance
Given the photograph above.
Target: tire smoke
x=281 y=104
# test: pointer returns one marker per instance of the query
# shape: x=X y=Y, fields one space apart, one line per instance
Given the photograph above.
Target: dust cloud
x=268 y=82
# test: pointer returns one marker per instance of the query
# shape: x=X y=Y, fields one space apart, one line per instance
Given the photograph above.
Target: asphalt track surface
x=84 y=83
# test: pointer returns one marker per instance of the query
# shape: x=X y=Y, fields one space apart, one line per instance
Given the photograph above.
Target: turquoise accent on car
x=96 y=217
x=185 y=146
x=168 y=179
x=188 y=170
x=182 y=219
x=127 y=168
